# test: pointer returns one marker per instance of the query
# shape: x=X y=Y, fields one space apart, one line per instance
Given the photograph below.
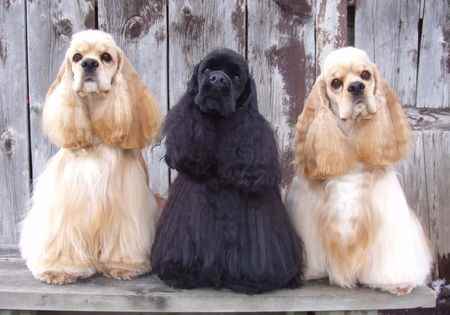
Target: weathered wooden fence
x=284 y=42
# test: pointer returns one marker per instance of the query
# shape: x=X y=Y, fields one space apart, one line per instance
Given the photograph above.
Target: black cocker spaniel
x=224 y=224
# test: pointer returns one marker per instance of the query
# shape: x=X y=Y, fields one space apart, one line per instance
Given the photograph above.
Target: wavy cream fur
x=92 y=209
x=346 y=201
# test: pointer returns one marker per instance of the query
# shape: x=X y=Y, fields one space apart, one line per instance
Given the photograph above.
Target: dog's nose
x=89 y=64
x=356 y=88
x=218 y=79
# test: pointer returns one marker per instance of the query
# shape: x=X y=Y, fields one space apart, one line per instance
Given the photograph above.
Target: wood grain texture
x=437 y=170
x=330 y=27
x=433 y=81
x=50 y=26
x=195 y=28
x=281 y=54
x=387 y=31
x=14 y=137
x=413 y=180
x=139 y=28
x=18 y=290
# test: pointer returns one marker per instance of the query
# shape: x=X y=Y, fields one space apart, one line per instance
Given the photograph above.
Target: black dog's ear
x=248 y=97
x=192 y=86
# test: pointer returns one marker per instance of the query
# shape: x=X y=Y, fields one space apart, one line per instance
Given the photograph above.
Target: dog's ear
x=322 y=149
x=385 y=138
x=65 y=119
x=249 y=97
x=130 y=118
x=192 y=86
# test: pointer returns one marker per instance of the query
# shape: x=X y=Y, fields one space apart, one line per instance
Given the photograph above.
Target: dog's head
x=351 y=115
x=221 y=83
x=94 y=59
x=351 y=83
x=97 y=77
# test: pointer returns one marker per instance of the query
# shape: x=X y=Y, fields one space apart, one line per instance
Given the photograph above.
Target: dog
x=224 y=224
x=92 y=209
x=346 y=201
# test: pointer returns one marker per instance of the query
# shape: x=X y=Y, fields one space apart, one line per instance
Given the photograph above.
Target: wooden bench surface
x=20 y=291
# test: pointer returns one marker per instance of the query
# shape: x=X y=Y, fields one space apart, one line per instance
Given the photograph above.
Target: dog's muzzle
x=89 y=65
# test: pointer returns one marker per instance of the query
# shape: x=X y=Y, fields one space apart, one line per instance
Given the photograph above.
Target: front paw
x=58 y=277
x=399 y=290
x=122 y=271
x=122 y=274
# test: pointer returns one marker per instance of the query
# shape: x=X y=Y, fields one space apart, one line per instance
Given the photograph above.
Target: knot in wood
x=7 y=142
x=134 y=27
x=63 y=27
x=187 y=11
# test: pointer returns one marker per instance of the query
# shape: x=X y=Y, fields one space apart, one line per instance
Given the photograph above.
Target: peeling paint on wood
x=281 y=54
x=331 y=28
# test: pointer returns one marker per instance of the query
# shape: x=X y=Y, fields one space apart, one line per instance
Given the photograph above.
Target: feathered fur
x=224 y=224
x=346 y=201
x=92 y=209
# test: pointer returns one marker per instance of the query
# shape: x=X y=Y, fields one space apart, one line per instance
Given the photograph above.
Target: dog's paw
x=58 y=277
x=398 y=290
x=122 y=274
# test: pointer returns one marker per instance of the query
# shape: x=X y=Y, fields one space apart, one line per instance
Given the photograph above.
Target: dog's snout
x=356 y=88
x=218 y=79
x=89 y=64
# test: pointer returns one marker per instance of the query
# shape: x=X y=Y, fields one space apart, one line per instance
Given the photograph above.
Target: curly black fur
x=224 y=224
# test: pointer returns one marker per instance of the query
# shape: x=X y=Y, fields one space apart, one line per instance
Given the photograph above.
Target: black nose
x=89 y=64
x=356 y=88
x=218 y=79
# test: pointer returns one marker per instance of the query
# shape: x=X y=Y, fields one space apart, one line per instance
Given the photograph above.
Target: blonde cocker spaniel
x=92 y=208
x=346 y=201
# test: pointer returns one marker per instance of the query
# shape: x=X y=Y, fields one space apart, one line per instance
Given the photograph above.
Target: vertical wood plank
x=434 y=65
x=14 y=137
x=437 y=170
x=331 y=28
x=139 y=28
x=195 y=28
x=387 y=31
x=413 y=180
x=281 y=53
x=50 y=28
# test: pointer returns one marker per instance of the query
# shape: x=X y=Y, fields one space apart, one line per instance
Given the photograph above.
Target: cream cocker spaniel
x=346 y=201
x=92 y=208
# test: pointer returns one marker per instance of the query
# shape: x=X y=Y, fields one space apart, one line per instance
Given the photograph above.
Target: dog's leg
x=53 y=240
x=399 y=259
x=129 y=234
x=346 y=226
x=302 y=201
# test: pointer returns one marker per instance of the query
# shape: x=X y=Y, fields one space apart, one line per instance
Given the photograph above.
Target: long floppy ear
x=322 y=149
x=385 y=138
x=192 y=86
x=65 y=119
x=129 y=118
x=249 y=97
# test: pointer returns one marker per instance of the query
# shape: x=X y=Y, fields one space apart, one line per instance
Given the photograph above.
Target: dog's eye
x=77 y=57
x=365 y=75
x=106 y=57
x=336 y=84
